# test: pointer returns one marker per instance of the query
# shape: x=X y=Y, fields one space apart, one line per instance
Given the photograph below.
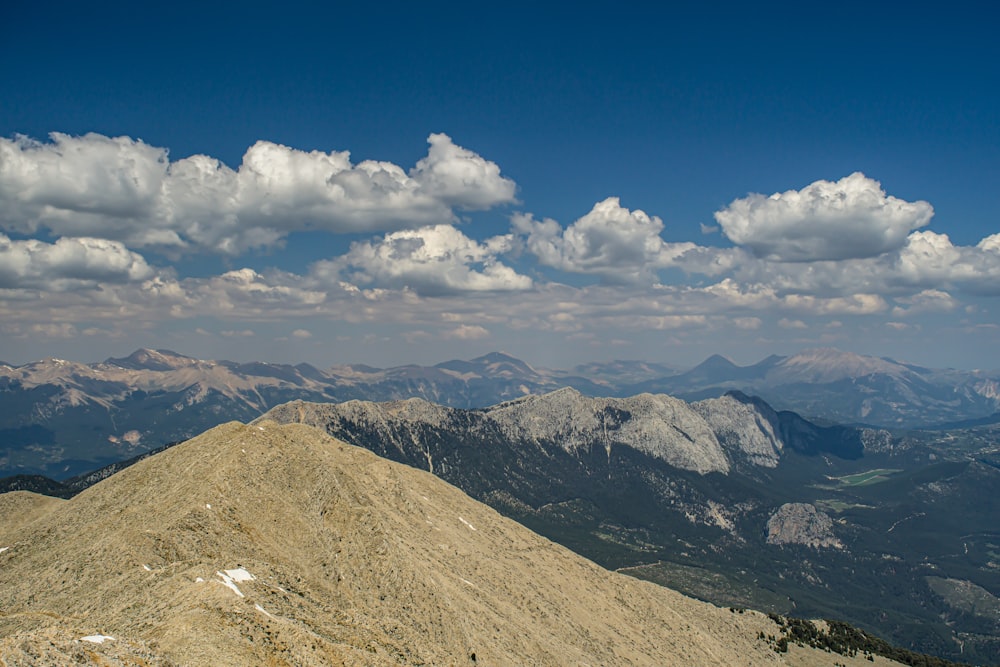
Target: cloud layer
x=431 y=260
x=123 y=189
x=91 y=228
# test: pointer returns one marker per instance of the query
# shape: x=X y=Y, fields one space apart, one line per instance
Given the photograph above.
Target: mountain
x=726 y=499
x=61 y=418
x=835 y=386
x=271 y=544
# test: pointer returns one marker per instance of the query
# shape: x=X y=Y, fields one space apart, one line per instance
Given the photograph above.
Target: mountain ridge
x=182 y=558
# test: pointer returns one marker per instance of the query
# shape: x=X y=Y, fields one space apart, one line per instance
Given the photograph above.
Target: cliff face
x=801 y=523
x=271 y=544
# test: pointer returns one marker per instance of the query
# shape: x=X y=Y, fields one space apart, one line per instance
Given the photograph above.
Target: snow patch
x=260 y=428
x=97 y=639
x=147 y=568
x=262 y=610
x=2 y=549
x=239 y=574
x=199 y=580
x=230 y=577
x=471 y=527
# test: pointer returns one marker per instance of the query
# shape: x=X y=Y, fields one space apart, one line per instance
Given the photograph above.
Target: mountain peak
x=499 y=359
x=827 y=364
x=152 y=360
x=717 y=362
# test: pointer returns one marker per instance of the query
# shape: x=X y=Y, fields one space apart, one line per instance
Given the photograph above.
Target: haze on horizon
x=413 y=186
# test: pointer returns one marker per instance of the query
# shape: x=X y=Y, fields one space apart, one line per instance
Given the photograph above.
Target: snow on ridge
x=240 y=574
x=230 y=577
x=97 y=639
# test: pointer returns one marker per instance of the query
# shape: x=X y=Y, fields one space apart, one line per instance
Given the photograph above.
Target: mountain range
x=63 y=418
x=270 y=544
x=725 y=499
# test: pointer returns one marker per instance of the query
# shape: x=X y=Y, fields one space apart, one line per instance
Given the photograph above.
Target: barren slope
x=270 y=544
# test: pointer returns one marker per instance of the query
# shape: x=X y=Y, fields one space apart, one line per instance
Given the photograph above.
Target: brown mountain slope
x=277 y=545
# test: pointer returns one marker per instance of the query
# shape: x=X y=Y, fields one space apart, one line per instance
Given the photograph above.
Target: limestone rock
x=801 y=523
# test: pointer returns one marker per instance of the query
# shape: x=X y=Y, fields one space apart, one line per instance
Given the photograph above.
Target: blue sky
x=588 y=187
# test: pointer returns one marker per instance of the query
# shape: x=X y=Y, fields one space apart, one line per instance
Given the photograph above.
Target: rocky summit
x=279 y=545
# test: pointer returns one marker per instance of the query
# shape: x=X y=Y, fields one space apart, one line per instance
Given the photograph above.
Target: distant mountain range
x=836 y=386
x=62 y=418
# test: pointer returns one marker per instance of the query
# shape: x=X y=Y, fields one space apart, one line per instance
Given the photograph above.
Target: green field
x=868 y=477
x=833 y=505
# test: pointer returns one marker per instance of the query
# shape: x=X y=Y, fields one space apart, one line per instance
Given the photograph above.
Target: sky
x=390 y=183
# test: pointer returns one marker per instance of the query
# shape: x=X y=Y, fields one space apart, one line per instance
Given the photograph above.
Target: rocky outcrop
x=748 y=429
x=801 y=523
x=660 y=426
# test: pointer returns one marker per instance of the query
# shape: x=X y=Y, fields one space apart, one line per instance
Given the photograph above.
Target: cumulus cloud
x=123 y=189
x=990 y=243
x=930 y=260
x=926 y=301
x=432 y=260
x=610 y=241
x=69 y=263
x=849 y=218
x=459 y=177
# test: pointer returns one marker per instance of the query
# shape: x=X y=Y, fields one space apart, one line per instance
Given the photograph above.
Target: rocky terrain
x=801 y=523
x=270 y=544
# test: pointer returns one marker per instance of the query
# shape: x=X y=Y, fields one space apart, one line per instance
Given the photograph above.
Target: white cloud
x=430 y=260
x=930 y=260
x=610 y=241
x=241 y=333
x=301 y=334
x=854 y=304
x=990 y=243
x=122 y=189
x=927 y=301
x=467 y=332
x=82 y=186
x=459 y=177
x=67 y=264
x=53 y=330
x=850 y=218
x=747 y=323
